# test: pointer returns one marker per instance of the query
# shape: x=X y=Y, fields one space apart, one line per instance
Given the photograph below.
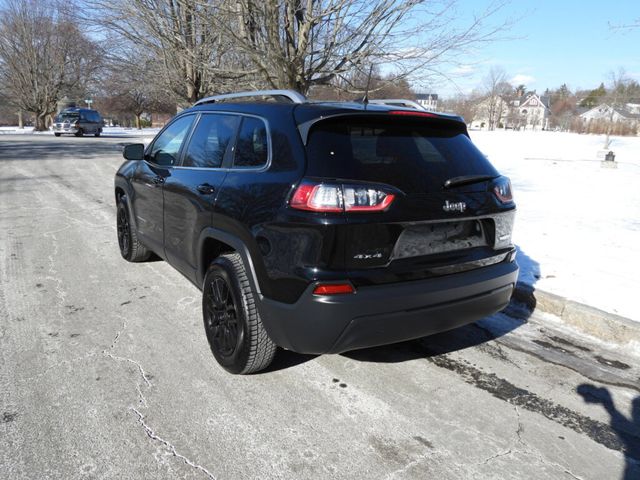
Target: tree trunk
x=20 y=122
x=41 y=122
x=138 y=122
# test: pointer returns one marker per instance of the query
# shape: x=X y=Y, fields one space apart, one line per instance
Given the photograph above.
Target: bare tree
x=301 y=43
x=498 y=93
x=42 y=56
x=125 y=92
x=193 y=56
x=563 y=104
x=356 y=83
x=626 y=26
x=618 y=94
x=464 y=105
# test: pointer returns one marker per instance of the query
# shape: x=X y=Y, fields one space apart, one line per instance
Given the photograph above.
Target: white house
x=490 y=113
x=611 y=114
x=528 y=112
x=428 y=100
x=621 y=119
x=533 y=110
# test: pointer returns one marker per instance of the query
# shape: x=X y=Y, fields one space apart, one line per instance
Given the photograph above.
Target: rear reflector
x=334 y=289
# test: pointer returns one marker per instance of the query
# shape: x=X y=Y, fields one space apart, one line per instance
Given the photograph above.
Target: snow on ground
x=145 y=132
x=106 y=131
x=578 y=224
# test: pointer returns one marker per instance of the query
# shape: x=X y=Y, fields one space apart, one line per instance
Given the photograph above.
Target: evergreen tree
x=595 y=97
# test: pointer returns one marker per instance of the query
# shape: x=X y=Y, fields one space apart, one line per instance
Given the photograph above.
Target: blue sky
x=561 y=41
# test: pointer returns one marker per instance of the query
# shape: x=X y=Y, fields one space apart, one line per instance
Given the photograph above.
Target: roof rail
x=398 y=102
x=292 y=95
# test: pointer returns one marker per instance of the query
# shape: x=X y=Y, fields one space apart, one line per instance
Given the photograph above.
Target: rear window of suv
x=414 y=156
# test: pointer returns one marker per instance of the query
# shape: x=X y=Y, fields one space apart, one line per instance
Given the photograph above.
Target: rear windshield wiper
x=467 y=179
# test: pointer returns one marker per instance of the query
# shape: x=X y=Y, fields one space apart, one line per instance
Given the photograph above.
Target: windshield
x=416 y=157
x=67 y=117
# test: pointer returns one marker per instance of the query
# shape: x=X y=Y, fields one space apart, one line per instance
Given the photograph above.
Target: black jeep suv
x=320 y=227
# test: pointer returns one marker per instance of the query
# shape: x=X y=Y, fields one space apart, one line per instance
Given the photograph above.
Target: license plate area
x=432 y=238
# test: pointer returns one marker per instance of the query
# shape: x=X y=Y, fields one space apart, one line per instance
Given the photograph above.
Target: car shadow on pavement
x=57 y=149
x=286 y=359
x=627 y=429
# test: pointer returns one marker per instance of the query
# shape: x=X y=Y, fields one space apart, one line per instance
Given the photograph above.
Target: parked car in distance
x=320 y=227
x=78 y=122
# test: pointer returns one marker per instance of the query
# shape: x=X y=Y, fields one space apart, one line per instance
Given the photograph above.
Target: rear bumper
x=383 y=314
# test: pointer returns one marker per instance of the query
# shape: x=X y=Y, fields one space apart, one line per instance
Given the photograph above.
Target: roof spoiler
x=305 y=128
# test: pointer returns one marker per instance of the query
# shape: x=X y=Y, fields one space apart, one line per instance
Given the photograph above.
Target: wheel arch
x=121 y=190
x=213 y=243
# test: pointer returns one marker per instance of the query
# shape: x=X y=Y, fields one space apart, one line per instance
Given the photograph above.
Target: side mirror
x=135 y=151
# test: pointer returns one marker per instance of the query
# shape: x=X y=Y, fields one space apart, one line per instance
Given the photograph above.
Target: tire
x=97 y=134
x=130 y=248
x=79 y=133
x=57 y=134
x=232 y=323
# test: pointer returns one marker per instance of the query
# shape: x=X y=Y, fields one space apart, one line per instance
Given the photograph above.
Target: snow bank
x=106 y=131
x=578 y=224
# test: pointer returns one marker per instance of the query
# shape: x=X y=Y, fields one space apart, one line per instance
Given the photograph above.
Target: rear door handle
x=206 y=189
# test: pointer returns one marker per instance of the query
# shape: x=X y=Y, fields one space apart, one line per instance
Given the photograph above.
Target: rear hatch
x=444 y=217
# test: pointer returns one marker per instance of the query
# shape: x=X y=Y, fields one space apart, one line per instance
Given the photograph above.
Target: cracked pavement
x=105 y=371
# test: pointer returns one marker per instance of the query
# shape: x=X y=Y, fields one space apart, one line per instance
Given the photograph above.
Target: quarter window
x=166 y=148
x=251 y=147
x=210 y=141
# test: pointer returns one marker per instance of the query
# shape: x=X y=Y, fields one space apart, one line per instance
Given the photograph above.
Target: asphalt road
x=105 y=371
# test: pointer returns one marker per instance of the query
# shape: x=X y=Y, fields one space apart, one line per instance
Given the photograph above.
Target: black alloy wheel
x=124 y=232
x=221 y=314
x=232 y=323
x=130 y=247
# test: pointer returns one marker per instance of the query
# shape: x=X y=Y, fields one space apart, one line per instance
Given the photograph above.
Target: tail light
x=330 y=197
x=502 y=190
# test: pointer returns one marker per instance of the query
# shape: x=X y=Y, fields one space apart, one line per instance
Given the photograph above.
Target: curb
x=592 y=321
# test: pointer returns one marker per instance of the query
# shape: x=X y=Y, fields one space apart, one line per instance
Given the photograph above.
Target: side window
x=166 y=147
x=210 y=141
x=251 y=147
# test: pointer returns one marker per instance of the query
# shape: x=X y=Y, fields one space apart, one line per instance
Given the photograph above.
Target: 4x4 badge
x=454 y=206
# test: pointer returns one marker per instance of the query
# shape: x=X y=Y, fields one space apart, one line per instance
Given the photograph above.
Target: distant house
x=620 y=120
x=533 y=110
x=628 y=113
x=490 y=113
x=527 y=112
x=633 y=106
x=428 y=100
